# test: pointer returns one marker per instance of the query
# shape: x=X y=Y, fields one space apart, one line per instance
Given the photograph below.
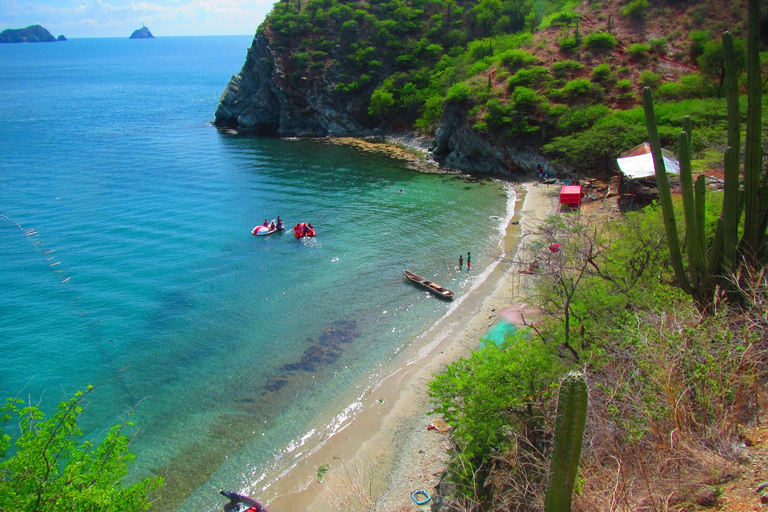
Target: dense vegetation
x=548 y=73
x=670 y=389
x=45 y=465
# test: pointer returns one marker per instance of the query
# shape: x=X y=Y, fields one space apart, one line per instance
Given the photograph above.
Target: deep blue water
x=126 y=259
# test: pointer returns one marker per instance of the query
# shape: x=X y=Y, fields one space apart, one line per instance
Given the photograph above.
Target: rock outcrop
x=61 y=38
x=265 y=98
x=31 y=34
x=268 y=97
x=142 y=33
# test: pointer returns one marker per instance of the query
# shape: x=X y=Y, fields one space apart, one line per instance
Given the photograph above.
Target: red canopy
x=570 y=195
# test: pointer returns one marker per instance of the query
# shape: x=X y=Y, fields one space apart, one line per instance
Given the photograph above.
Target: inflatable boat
x=303 y=229
x=262 y=230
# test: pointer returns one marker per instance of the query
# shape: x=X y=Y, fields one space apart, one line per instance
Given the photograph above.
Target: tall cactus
x=569 y=433
x=710 y=266
x=753 y=243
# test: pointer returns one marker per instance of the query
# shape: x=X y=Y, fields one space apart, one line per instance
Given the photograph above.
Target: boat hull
x=434 y=288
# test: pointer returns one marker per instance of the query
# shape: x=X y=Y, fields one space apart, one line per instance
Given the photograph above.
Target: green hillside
x=31 y=34
x=554 y=75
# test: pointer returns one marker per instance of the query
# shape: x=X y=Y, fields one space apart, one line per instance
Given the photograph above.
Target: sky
x=119 y=18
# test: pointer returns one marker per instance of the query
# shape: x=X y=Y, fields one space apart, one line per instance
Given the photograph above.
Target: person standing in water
x=461 y=261
x=469 y=260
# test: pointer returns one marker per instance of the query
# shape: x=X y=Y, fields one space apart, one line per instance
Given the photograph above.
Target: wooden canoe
x=435 y=288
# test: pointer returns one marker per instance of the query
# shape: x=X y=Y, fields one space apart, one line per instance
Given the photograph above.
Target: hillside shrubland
x=671 y=390
x=554 y=75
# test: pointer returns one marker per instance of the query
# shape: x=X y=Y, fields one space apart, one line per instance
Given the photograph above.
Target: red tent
x=571 y=195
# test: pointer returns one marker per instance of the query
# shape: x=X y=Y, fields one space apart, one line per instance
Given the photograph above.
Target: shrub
x=431 y=112
x=349 y=29
x=563 y=68
x=659 y=45
x=578 y=86
x=636 y=9
x=525 y=98
x=301 y=59
x=695 y=84
x=528 y=76
x=650 y=79
x=580 y=118
x=600 y=41
x=699 y=40
x=671 y=91
x=563 y=19
x=639 y=50
x=458 y=93
x=568 y=43
x=479 y=67
x=515 y=59
x=601 y=73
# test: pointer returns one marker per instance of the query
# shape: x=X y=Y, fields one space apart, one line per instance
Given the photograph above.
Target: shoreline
x=387 y=452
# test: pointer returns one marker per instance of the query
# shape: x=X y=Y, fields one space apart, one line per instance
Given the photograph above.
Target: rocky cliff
x=261 y=99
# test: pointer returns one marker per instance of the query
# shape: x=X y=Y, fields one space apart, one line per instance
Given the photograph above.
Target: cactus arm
x=755 y=201
x=731 y=212
x=701 y=208
x=731 y=209
x=697 y=266
x=569 y=433
x=665 y=195
x=731 y=92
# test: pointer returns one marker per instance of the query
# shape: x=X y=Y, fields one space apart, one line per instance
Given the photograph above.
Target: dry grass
x=670 y=399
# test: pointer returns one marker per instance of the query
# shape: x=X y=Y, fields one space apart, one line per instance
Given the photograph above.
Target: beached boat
x=435 y=288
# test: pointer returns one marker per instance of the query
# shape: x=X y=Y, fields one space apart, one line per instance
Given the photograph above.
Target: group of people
x=275 y=224
x=461 y=261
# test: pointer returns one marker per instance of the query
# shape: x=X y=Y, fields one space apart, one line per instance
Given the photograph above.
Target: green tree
x=711 y=61
x=53 y=469
x=381 y=102
x=496 y=387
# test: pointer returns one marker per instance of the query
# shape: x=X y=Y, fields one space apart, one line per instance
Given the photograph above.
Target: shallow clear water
x=126 y=259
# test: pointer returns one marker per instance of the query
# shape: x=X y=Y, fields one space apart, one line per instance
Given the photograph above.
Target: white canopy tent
x=641 y=165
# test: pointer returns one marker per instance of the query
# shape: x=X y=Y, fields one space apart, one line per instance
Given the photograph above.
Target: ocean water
x=126 y=260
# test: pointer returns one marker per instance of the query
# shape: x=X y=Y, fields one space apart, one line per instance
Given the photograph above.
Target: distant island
x=142 y=33
x=31 y=34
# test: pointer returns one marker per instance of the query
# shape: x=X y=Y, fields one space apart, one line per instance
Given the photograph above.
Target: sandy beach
x=389 y=450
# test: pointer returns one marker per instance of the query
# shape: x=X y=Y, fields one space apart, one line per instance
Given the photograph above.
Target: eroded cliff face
x=268 y=97
x=261 y=99
x=457 y=146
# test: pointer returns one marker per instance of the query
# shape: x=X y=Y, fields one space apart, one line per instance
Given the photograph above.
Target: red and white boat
x=273 y=227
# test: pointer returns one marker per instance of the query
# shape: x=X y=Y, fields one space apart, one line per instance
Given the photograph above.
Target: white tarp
x=641 y=166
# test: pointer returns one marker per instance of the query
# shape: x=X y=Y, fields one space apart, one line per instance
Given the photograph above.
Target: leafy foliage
x=51 y=469
x=600 y=41
x=494 y=388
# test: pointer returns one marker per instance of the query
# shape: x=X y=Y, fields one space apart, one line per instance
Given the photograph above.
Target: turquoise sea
x=127 y=262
